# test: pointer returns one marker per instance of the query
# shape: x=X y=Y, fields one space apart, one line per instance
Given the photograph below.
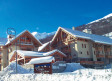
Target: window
x=94 y=53
x=87 y=53
x=82 y=45
x=22 y=37
x=17 y=41
x=27 y=38
x=80 y=52
x=85 y=45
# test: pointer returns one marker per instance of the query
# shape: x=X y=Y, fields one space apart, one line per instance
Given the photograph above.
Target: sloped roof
x=43 y=46
x=79 y=34
x=8 y=42
x=41 y=60
x=36 y=54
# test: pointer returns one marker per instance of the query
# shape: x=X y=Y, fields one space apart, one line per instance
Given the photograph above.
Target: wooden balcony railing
x=99 y=62
x=86 y=62
x=0 y=56
x=109 y=56
x=100 y=56
x=91 y=62
x=0 y=61
x=66 y=50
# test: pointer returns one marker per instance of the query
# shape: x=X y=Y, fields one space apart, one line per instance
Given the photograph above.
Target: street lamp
x=11 y=31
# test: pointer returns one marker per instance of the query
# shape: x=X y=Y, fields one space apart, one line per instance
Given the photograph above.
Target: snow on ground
x=73 y=67
x=78 y=73
x=11 y=69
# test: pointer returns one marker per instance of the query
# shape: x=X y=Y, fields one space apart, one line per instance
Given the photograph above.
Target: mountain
x=100 y=26
x=43 y=37
x=108 y=35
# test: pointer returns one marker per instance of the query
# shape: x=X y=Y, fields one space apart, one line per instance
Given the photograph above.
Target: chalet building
x=24 y=41
x=26 y=47
x=25 y=56
x=83 y=47
x=0 y=54
x=1 y=46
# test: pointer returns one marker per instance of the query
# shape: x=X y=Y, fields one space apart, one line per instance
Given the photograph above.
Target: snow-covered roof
x=30 y=53
x=93 y=37
x=36 y=54
x=47 y=59
x=53 y=51
x=20 y=35
x=43 y=46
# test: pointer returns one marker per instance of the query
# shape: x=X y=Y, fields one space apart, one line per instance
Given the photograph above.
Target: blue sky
x=48 y=15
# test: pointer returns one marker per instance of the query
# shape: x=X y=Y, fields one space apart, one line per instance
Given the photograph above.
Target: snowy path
x=73 y=72
x=75 y=76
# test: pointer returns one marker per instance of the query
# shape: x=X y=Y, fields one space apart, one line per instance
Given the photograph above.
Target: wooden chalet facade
x=82 y=47
x=24 y=41
x=24 y=57
x=71 y=45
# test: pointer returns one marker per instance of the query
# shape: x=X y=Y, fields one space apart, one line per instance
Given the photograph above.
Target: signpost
x=45 y=68
x=11 y=31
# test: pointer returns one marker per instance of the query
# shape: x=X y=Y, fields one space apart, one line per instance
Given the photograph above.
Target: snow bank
x=11 y=69
x=73 y=67
x=78 y=73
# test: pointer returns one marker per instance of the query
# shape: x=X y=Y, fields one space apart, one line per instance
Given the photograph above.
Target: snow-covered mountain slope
x=105 y=17
x=42 y=35
x=108 y=35
x=100 y=26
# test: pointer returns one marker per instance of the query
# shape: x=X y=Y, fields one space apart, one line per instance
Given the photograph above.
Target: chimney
x=89 y=31
x=10 y=37
x=73 y=28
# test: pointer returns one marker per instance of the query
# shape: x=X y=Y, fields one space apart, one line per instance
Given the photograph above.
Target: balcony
x=99 y=62
x=100 y=56
x=86 y=62
x=109 y=56
x=91 y=62
x=66 y=50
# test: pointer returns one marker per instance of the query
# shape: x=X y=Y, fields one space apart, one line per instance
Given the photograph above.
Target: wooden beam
x=24 y=60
